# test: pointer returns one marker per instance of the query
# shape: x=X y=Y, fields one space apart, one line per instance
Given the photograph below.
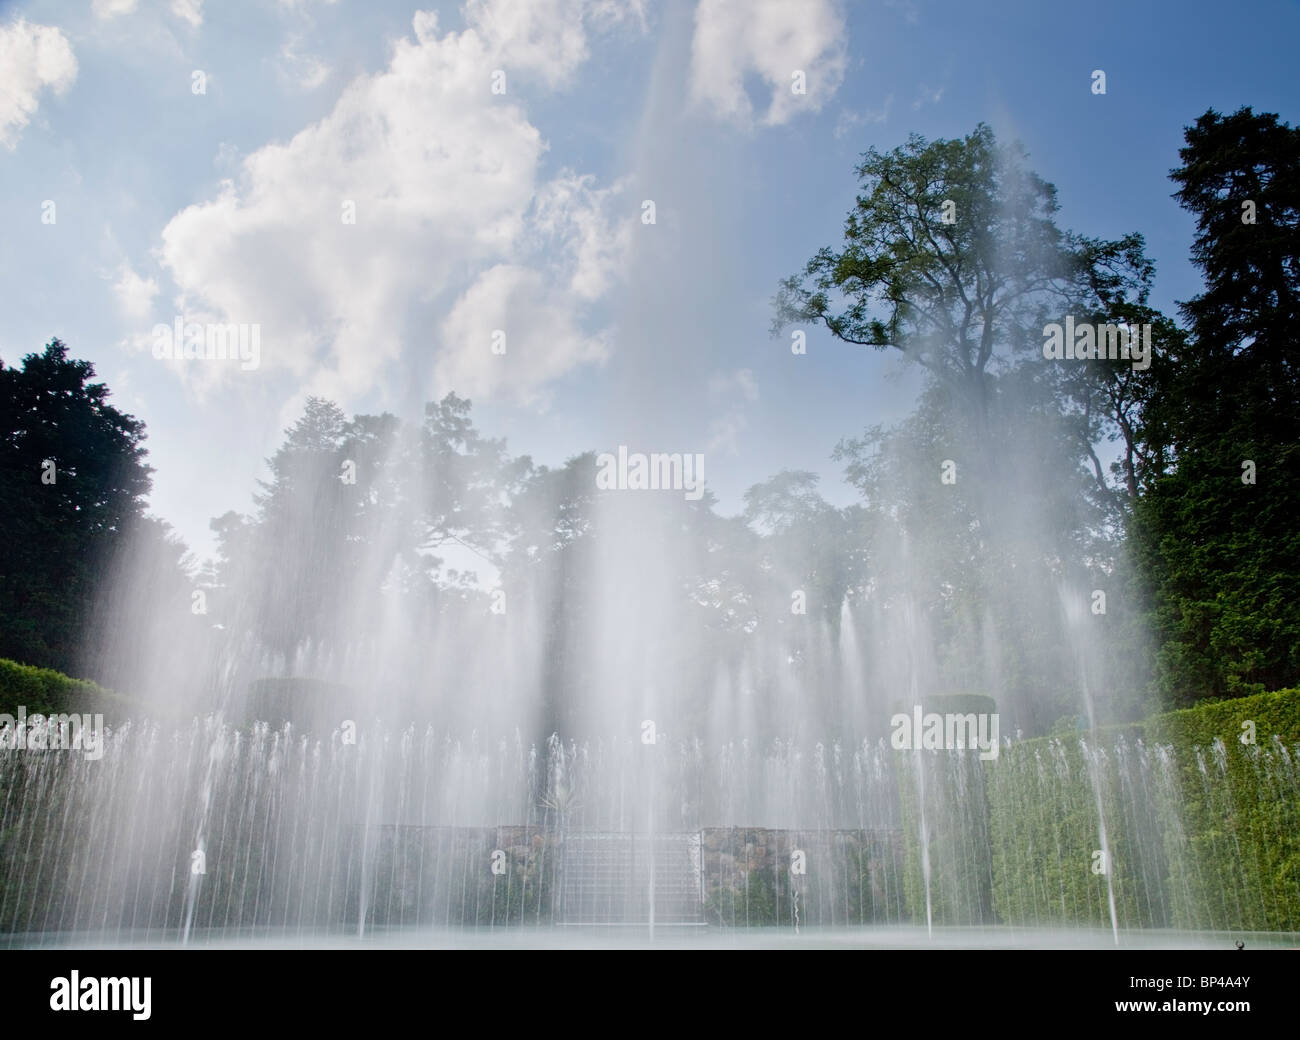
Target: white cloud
x=443 y=175
x=134 y=294
x=542 y=340
x=772 y=39
x=546 y=37
x=189 y=10
x=582 y=221
x=32 y=58
x=306 y=70
x=849 y=121
x=113 y=8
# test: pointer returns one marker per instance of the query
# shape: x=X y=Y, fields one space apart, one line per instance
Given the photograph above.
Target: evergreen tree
x=1219 y=526
x=72 y=481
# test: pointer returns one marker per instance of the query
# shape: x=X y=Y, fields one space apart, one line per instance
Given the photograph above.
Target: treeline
x=1180 y=481
x=989 y=521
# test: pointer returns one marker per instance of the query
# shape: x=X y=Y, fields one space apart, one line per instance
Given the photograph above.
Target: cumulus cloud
x=541 y=339
x=577 y=220
x=546 y=37
x=772 y=40
x=33 y=58
x=134 y=294
x=442 y=177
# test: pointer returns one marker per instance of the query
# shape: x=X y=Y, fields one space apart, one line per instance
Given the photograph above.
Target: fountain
x=607 y=747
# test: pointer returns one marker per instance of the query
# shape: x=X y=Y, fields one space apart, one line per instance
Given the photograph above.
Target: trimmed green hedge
x=1203 y=830
x=44 y=690
x=1048 y=799
x=1235 y=861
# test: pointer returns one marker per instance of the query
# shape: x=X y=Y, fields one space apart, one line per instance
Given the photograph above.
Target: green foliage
x=72 y=480
x=961 y=292
x=945 y=813
x=1203 y=830
x=1235 y=860
x=1219 y=553
x=964 y=293
x=44 y=690
x=1046 y=832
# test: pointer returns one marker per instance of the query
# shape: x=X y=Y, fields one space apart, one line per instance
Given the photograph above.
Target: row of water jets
x=208 y=827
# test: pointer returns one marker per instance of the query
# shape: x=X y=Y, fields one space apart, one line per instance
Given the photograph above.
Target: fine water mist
x=427 y=685
x=604 y=713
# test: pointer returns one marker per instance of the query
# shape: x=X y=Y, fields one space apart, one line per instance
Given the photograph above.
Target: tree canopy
x=72 y=480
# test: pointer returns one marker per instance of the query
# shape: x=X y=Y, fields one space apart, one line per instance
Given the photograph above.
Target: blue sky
x=522 y=210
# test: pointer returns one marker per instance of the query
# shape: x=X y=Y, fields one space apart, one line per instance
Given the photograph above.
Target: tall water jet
x=1076 y=616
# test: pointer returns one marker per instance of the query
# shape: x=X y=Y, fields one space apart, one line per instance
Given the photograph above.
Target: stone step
x=606 y=878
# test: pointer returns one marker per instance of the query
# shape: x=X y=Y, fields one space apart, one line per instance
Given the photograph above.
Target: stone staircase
x=606 y=878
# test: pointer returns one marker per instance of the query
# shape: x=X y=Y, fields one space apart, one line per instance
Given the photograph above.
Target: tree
x=364 y=518
x=72 y=481
x=1219 y=526
x=952 y=256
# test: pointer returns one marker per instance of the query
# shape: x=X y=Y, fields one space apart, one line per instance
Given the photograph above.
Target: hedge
x=43 y=690
x=1235 y=861
x=1049 y=798
x=1203 y=830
